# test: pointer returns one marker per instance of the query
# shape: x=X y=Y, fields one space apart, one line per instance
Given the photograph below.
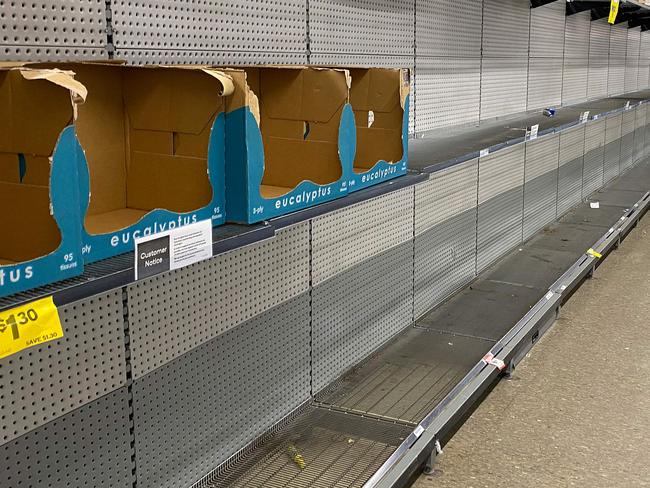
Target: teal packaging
x=39 y=200
x=290 y=141
x=152 y=152
x=380 y=101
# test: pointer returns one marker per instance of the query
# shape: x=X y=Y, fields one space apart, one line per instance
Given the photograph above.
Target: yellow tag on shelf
x=613 y=11
x=594 y=253
x=29 y=325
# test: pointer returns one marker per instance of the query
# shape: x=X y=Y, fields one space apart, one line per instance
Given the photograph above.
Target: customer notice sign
x=173 y=249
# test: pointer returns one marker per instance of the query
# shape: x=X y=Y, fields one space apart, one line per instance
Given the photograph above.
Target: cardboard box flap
x=172 y=99
x=378 y=90
x=313 y=95
x=35 y=109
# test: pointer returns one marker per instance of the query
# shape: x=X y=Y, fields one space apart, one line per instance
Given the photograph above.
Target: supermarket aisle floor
x=577 y=410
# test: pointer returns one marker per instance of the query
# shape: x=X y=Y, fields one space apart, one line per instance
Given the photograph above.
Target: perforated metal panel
x=444 y=28
x=575 y=80
x=639 y=133
x=445 y=260
x=447 y=92
x=500 y=226
x=547 y=30
x=172 y=313
x=194 y=412
x=504 y=86
x=87 y=448
x=346 y=237
x=500 y=172
x=618 y=40
x=598 y=76
x=42 y=30
x=627 y=139
x=447 y=193
x=544 y=82
x=362 y=60
x=612 y=147
x=599 y=37
x=632 y=59
x=358 y=310
x=44 y=382
x=644 y=71
x=506 y=26
x=187 y=31
x=577 y=34
x=592 y=179
x=570 y=168
x=616 y=76
x=540 y=189
x=383 y=27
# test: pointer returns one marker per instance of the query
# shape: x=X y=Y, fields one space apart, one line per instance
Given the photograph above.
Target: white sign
x=594 y=204
x=584 y=116
x=484 y=152
x=533 y=132
x=173 y=249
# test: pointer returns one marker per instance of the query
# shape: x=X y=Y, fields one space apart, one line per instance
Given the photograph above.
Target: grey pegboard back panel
x=540 y=202
x=612 y=160
x=599 y=36
x=616 y=75
x=592 y=176
x=506 y=26
x=191 y=414
x=575 y=80
x=572 y=144
x=44 y=382
x=613 y=126
x=362 y=60
x=541 y=156
x=42 y=30
x=500 y=172
x=569 y=185
x=446 y=194
x=447 y=92
x=444 y=28
x=618 y=40
x=172 y=56
x=631 y=75
x=628 y=123
x=87 y=448
x=547 y=30
x=504 y=86
x=500 y=226
x=189 y=25
x=358 y=310
x=346 y=237
x=598 y=76
x=643 y=78
x=595 y=134
x=644 y=45
x=445 y=260
x=380 y=27
x=633 y=43
x=576 y=35
x=627 y=150
x=544 y=82
x=175 y=312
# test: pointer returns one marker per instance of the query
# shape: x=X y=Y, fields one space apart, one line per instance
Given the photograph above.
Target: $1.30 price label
x=29 y=325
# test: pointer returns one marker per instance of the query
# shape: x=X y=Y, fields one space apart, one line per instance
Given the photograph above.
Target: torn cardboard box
x=290 y=136
x=380 y=100
x=39 y=200
x=153 y=159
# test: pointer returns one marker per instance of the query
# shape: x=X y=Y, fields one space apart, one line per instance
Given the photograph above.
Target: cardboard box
x=153 y=159
x=380 y=100
x=39 y=200
x=290 y=141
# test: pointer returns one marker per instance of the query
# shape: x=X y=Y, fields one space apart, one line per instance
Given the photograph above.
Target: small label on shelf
x=584 y=117
x=484 y=152
x=29 y=325
x=532 y=133
x=594 y=204
x=173 y=249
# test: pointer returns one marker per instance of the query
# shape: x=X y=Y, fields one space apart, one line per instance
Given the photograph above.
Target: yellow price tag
x=595 y=254
x=29 y=325
x=613 y=11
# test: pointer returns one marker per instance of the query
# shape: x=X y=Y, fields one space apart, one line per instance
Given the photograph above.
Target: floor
x=577 y=410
